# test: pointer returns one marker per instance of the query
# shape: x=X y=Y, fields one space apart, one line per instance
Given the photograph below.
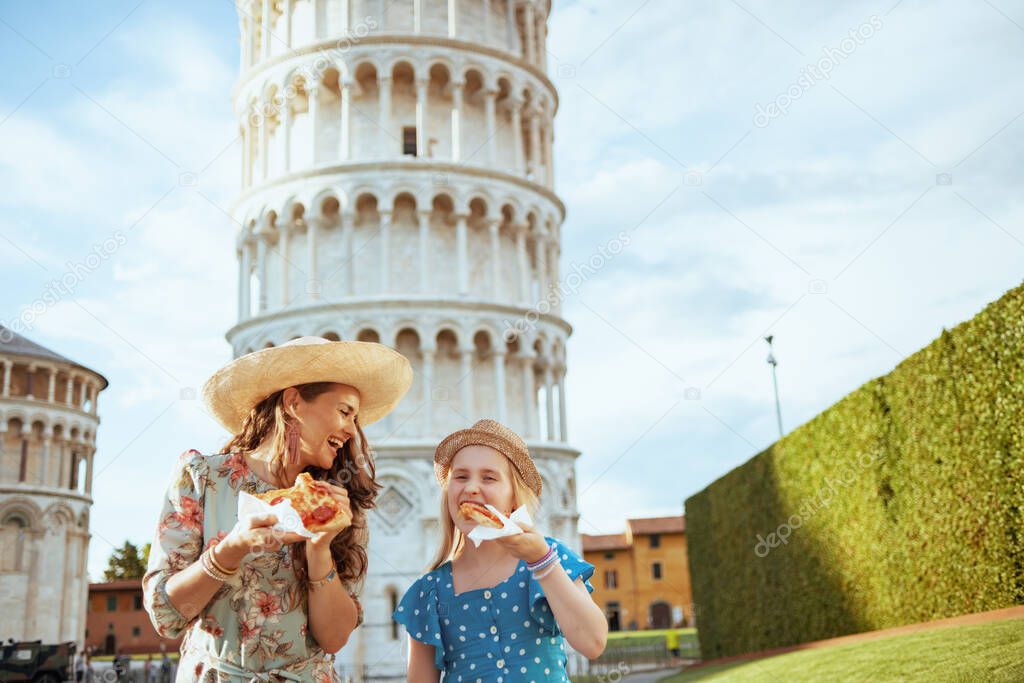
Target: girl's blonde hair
x=452 y=540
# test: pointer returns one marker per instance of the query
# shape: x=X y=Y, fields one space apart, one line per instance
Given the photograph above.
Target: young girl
x=497 y=612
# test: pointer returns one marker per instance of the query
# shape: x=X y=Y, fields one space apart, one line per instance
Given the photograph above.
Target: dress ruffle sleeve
x=417 y=612
x=178 y=541
x=575 y=567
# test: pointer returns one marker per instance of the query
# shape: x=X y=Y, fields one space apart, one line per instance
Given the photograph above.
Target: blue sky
x=881 y=206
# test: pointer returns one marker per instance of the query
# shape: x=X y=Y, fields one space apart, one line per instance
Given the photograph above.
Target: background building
x=642 y=577
x=117 y=623
x=397 y=187
x=48 y=422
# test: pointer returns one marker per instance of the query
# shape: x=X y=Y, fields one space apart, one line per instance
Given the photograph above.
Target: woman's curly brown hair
x=353 y=470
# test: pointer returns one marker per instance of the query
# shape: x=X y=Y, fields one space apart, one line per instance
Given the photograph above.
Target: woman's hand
x=322 y=541
x=252 y=535
x=529 y=545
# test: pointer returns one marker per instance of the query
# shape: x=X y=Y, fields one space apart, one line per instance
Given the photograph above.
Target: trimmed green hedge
x=901 y=503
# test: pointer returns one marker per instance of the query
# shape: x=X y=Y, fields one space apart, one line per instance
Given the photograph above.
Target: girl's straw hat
x=497 y=436
x=381 y=374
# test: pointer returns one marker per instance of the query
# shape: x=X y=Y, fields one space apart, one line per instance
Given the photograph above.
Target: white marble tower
x=397 y=187
x=48 y=422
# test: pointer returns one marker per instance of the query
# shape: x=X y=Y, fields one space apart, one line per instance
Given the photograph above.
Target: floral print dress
x=256 y=625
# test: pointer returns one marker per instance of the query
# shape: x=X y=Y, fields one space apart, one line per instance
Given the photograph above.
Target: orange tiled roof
x=604 y=542
x=657 y=525
x=118 y=585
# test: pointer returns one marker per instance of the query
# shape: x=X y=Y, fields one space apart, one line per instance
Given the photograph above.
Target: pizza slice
x=310 y=498
x=478 y=512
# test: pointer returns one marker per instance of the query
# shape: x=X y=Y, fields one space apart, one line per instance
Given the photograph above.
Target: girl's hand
x=322 y=541
x=252 y=535
x=529 y=545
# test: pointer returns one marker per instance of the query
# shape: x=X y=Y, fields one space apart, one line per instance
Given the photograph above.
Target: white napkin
x=482 y=533
x=287 y=517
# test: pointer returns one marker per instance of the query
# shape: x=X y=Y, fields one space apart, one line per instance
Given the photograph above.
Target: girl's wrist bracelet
x=538 y=575
x=542 y=562
x=319 y=583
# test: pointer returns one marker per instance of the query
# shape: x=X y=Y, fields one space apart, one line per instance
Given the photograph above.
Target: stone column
x=499 y=380
x=264 y=142
x=385 y=250
x=534 y=166
x=541 y=247
x=517 y=134
x=346 y=16
x=563 y=428
x=490 y=95
x=245 y=286
x=44 y=469
x=384 y=116
x=466 y=378
x=262 y=237
x=429 y=350
x=246 y=153
x=421 y=117
x=424 y=225
x=90 y=457
x=349 y=267
x=312 y=230
x=285 y=236
x=94 y=395
x=70 y=385
x=528 y=20
x=549 y=400
x=510 y=26
x=457 y=87
x=494 y=227
x=453 y=18
x=30 y=376
x=286 y=136
x=549 y=145
x=487 y=22
x=51 y=388
x=529 y=391
x=346 y=120
x=7 y=378
x=462 y=256
x=267 y=11
x=313 y=93
x=524 y=264
x=417 y=16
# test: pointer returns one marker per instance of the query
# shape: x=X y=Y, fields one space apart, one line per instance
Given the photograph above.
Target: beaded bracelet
x=216 y=563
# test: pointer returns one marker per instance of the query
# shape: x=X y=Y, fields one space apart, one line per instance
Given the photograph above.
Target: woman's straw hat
x=497 y=436
x=381 y=374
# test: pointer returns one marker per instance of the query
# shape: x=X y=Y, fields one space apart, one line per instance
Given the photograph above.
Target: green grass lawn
x=982 y=652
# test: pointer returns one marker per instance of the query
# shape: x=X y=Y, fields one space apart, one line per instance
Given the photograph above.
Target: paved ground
x=649 y=676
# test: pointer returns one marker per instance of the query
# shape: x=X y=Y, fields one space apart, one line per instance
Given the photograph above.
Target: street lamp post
x=775 y=382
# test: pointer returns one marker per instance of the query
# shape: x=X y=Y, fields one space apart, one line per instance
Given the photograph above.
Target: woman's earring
x=291 y=443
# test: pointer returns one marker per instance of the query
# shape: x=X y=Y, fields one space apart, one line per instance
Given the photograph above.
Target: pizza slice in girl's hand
x=311 y=499
x=478 y=512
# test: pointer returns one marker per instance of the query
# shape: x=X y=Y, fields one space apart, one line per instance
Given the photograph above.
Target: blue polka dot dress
x=500 y=634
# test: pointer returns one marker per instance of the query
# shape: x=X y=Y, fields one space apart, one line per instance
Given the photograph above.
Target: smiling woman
x=259 y=602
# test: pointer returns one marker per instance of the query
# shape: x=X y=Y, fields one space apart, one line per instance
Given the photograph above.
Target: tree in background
x=127 y=562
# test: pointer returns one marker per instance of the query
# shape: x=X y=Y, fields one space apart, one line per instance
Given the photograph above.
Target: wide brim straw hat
x=380 y=374
x=497 y=436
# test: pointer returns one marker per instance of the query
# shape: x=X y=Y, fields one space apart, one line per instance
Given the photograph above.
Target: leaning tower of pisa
x=397 y=187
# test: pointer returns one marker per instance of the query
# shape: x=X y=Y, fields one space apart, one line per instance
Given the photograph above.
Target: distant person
x=672 y=644
x=165 y=669
x=147 y=669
